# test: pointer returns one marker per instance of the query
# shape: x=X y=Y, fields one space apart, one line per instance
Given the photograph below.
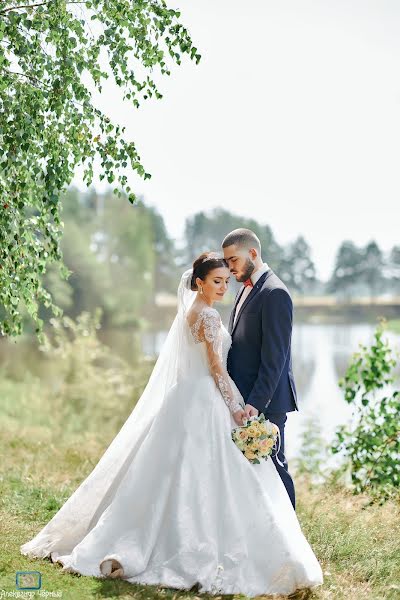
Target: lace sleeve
x=210 y=329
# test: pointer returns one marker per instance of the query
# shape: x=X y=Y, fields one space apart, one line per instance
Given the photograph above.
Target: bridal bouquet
x=256 y=438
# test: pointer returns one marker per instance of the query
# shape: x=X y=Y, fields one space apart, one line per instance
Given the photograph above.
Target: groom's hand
x=250 y=411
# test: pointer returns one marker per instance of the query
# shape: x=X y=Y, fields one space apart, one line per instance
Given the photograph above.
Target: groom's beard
x=248 y=270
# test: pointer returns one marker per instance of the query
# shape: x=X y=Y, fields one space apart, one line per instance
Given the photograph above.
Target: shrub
x=371 y=444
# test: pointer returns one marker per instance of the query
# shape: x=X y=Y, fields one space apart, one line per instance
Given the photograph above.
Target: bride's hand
x=238 y=417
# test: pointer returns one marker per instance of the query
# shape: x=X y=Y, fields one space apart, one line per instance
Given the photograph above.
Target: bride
x=173 y=501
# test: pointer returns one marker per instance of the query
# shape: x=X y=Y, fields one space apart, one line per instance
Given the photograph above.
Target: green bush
x=371 y=445
x=94 y=387
x=311 y=460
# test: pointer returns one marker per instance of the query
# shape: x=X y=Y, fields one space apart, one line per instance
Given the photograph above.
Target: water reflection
x=328 y=349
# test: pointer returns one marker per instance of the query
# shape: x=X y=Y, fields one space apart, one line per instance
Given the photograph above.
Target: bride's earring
x=200 y=289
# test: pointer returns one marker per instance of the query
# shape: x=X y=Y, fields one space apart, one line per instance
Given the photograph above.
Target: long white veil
x=82 y=510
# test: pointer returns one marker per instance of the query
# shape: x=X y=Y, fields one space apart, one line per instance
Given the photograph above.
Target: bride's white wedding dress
x=173 y=500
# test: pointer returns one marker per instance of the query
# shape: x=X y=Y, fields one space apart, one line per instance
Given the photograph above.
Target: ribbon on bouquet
x=278 y=436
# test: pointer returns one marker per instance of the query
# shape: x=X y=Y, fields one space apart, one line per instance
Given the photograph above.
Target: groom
x=260 y=360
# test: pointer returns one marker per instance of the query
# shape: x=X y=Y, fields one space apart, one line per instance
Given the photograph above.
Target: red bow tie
x=248 y=283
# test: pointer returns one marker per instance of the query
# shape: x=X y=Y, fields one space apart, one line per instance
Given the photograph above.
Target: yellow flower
x=243 y=435
x=248 y=454
x=267 y=444
x=252 y=431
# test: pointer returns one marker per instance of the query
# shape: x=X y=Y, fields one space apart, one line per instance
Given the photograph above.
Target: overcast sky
x=291 y=117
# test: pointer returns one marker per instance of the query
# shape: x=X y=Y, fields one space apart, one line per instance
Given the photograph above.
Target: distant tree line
x=365 y=271
x=120 y=256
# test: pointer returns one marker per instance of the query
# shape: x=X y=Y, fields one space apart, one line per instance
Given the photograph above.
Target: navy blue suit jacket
x=260 y=359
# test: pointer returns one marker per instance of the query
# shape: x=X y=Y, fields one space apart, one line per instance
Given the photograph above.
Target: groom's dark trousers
x=280 y=420
x=260 y=360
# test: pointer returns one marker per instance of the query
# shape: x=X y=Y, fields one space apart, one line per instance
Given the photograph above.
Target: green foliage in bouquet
x=372 y=445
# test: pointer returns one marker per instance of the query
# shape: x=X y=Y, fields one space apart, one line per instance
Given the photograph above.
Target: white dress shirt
x=255 y=276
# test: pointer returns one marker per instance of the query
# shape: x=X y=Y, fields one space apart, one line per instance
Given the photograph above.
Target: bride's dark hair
x=205 y=263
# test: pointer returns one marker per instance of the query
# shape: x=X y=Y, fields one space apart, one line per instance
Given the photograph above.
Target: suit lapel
x=252 y=294
x=232 y=317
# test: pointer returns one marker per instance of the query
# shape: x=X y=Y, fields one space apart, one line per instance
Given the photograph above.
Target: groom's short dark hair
x=244 y=238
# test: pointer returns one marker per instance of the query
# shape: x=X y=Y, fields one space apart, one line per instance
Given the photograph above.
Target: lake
x=321 y=353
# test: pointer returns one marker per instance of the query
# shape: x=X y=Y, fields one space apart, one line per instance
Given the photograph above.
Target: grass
x=44 y=460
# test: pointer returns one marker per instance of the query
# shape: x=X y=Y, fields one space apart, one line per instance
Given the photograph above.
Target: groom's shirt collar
x=255 y=276
x=248 y=289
